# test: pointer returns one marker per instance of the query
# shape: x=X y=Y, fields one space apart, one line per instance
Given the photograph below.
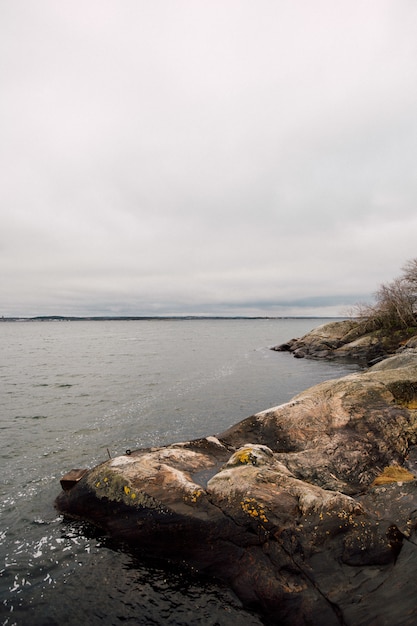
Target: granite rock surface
x=307 y=510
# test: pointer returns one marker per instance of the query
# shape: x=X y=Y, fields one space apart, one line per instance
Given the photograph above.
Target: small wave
x=39 y=521
x=31 y=417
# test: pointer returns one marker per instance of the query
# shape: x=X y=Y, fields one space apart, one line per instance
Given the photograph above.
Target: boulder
x=307 y=510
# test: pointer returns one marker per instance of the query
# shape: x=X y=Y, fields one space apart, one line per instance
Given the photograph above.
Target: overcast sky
x=227 y=157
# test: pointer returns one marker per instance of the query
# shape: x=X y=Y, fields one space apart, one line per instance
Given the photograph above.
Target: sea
x=74 y=393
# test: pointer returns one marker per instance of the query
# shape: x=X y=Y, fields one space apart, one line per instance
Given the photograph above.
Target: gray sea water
x=73 y=392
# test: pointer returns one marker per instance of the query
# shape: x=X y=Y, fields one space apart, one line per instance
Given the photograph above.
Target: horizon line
x=98 y=318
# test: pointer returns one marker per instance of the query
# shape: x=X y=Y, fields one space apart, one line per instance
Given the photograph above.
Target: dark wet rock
x=288 y=506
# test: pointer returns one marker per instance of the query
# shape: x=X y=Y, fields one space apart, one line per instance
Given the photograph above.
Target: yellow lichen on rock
x=107 y=483
x=245 y=456
x=194 y=496
x=251 y=454
x=254 y=509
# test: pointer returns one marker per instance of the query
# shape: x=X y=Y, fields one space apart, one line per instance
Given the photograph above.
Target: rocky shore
x=307 y=510
x=349 y=340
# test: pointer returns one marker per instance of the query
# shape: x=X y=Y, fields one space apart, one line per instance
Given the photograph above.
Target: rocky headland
x=350 y=340
x=307 y=510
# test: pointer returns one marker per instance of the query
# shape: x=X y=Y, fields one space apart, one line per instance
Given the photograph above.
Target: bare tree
x=410 y=272
x=395 y=303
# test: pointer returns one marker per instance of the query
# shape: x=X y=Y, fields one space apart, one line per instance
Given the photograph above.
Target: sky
x=205 y=157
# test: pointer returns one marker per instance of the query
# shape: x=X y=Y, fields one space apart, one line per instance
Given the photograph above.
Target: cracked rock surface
x=307 y=510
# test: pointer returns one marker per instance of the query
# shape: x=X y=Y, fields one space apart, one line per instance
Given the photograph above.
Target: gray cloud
x=191 y=157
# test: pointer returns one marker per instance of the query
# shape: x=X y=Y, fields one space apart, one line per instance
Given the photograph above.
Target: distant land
x=106 y=318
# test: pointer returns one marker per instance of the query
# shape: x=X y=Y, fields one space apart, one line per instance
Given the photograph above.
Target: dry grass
x=393 y=474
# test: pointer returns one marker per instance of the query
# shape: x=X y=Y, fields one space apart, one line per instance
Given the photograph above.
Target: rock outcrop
x=307 y=510
x=349 y=340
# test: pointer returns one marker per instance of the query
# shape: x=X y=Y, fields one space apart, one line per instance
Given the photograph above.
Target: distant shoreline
x=124 y=318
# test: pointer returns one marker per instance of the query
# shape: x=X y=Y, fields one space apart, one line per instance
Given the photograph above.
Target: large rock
x=321 y=341
x=307 y=510
x=348 y=340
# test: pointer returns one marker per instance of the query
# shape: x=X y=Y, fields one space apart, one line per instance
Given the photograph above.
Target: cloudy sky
x=229 y=157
